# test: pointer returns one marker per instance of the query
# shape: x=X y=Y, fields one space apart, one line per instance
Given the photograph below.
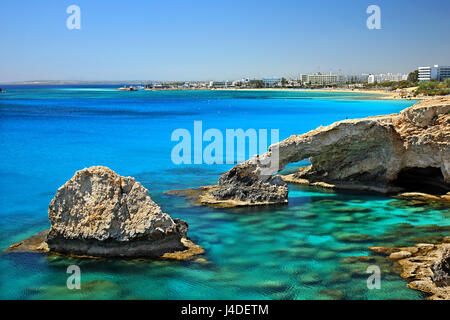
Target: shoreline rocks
x=204 y=196
x=420 y=196
x=386 y=154
x=102 y=214
x=247 y=186
x=425 y=266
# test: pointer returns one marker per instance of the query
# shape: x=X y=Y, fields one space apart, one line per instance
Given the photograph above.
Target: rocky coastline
x=425 y=266
x=390 y=154
x=98 y=213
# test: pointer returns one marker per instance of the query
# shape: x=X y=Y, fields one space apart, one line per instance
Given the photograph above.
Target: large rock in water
x=99 y=213
x=383 y=154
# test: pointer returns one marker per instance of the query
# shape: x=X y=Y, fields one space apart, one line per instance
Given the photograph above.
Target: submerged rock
x=90 y=290
x=351 y=237
x=100 y=213
x=273 y=285
x=332 y=293
x=339 y=277
x=326 y=255
x=351 y=210
x=310 y=278
x=382 y=154
x=355 y=259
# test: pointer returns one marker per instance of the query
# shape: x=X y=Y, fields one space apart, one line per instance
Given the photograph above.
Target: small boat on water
x=130 y=88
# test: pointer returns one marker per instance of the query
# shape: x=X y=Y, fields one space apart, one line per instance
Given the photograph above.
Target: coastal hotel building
x=435 y=72
x=321 y=79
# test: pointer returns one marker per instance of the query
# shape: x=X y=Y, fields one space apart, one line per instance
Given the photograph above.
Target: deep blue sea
x=297 y=251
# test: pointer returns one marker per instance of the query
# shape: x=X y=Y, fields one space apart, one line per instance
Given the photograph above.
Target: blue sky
x=203 y=40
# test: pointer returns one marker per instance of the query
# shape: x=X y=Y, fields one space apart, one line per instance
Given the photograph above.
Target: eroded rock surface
x=100 y=213
x=425 y=266
x=247 y=187
x=441 y=270
x=362 y=154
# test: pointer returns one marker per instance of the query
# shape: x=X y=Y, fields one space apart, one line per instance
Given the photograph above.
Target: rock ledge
x=425 y=266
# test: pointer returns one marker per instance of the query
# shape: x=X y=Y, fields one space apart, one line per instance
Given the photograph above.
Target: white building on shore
x=436 y=72
x=271 y=82
x=321 y=79
x=241 y=82
x=220 y=84
x=382 y=77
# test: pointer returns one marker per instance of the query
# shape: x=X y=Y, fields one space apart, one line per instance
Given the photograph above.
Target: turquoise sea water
x=297 y=251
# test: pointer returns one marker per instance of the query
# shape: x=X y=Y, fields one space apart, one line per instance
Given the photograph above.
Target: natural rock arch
x=362 y=154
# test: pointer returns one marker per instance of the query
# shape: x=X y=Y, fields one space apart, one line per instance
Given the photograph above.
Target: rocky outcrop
x=425 y=266
x=246 y=187
x=441 y=270
x=382 y=154
x=100 y=213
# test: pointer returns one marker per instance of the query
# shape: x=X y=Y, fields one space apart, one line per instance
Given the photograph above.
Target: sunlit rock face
x=100 y=213
x=361 y=154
